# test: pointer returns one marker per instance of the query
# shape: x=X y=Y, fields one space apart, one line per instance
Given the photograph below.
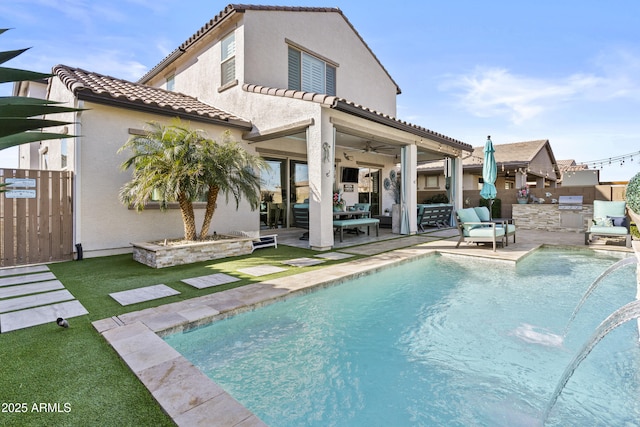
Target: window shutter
x=294 y=69
x=312 y=74
x=331 y=80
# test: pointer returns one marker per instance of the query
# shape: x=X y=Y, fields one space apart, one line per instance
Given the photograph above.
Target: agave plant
x=21 y=118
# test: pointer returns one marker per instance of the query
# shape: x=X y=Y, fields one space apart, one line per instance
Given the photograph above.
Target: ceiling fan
x=369 y=148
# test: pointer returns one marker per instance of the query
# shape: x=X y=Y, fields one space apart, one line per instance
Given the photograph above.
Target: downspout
x=76 y=193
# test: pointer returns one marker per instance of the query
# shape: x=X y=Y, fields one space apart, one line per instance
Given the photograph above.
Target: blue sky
x=567 y=71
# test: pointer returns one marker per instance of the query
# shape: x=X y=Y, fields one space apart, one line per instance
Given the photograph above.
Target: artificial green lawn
x=76 y=367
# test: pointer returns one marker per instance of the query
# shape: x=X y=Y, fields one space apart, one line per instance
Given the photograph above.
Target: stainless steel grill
x=570 y=203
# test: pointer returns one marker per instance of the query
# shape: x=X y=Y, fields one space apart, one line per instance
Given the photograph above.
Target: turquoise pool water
x=434 y=342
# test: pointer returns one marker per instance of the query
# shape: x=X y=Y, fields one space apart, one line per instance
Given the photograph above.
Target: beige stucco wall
x=261 y=58
x=102 y=224
x=359 y=77
x=30 y=154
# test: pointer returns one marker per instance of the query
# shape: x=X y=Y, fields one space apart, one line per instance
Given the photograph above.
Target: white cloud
x=491 y=92
x=497 y=92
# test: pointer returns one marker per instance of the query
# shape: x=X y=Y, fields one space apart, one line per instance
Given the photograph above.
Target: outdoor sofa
x=434 y=215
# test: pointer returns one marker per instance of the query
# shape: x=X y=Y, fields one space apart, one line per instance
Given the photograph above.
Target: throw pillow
x=618 y=221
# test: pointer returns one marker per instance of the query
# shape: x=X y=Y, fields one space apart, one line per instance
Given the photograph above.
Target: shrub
x=438 y=198
x=496 y=210
x=633 y=194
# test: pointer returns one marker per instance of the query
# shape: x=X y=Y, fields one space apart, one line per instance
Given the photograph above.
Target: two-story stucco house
x=296 y=85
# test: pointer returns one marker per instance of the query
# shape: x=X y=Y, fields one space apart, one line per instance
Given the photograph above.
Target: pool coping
x=184 y=392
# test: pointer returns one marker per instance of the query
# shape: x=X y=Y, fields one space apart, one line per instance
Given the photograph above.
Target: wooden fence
x=36 y=223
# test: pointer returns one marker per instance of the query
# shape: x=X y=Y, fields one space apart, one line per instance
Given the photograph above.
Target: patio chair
x=507 y=223
x=472 y=230
x=609 y=220
x=301 y=218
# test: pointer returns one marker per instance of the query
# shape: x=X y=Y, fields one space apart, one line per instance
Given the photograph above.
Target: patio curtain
x=404 y=211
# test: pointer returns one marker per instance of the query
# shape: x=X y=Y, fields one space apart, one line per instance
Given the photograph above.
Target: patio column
x=453 y=172
x=521 y=179
x=409 y=190
x=320 y=160
x=456 y=183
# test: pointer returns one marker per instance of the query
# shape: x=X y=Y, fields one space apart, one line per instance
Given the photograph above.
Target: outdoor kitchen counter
x=549 y=217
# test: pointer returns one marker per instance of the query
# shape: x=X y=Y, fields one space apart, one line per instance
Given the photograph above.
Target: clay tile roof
x=359 y=110
x=570 y=165
x=105 y=89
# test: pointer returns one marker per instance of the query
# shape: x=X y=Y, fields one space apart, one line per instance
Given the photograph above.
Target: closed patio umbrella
x=489 y=173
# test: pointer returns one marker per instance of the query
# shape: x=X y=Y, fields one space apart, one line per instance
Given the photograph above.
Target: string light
x=601 y=163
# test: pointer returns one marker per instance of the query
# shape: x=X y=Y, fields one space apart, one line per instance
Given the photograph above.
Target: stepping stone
x=32 y=288
x=40 y=315
x=14 y=271
x=303 y=262
x=334 y=255
x=261 y=270
x=210 y=280
x=134 y=296
x=29 y=278
x=13 y=304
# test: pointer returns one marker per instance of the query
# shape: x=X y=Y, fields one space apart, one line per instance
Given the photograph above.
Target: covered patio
x=308 y=154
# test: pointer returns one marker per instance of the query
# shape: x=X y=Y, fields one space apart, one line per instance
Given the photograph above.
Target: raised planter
x=160 y=256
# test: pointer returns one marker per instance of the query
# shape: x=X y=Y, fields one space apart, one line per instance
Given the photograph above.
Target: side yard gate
x=36 y=223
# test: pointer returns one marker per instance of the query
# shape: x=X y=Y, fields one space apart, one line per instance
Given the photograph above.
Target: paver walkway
x=31 y=296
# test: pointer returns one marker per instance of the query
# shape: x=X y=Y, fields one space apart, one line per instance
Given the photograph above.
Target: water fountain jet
x=594 y=285
x=622 y=315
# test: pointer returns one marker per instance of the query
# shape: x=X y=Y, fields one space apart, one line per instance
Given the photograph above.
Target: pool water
x=438 y=341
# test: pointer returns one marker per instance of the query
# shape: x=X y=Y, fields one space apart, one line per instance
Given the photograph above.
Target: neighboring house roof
x=241 y=8
x=570 y=165
x=103 y=89
x=513 y=155
x=350 y=107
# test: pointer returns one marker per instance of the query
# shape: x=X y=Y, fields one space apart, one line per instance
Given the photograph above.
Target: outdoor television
x=350 y=174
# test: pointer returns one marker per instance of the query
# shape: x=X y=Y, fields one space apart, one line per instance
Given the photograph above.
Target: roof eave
x=106 y=99
x=349 y=108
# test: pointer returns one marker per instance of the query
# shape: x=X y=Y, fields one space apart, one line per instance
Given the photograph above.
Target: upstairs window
x=311 y=74
x=228 y=59
x=171 y=82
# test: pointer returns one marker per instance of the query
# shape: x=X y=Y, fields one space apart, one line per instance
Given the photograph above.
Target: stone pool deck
x=192 y=399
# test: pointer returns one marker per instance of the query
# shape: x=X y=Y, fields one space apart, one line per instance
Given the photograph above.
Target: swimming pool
x=437 y=341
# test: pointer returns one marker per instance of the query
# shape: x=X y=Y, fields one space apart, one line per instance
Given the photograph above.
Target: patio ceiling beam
x=256 y=135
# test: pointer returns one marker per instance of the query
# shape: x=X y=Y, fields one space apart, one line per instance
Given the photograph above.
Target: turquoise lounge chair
x=609 y=220
x=506 y=223
x=473 y=230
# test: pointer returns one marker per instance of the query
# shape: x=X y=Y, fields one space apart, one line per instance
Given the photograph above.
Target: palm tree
x=176 y=163
x=230 y=169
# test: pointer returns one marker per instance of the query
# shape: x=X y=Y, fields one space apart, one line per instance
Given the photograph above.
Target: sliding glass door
x=369 y=188
x=284 y=183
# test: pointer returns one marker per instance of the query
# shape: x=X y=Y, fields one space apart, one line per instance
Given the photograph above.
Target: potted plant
x=523 y=195
x=633 y=198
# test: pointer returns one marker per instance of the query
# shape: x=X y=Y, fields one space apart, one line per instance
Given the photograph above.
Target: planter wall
x=160 y=256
